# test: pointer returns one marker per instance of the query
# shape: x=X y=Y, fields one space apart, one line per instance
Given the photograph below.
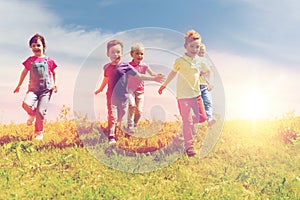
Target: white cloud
x=273 y=82
x=68 y=46
x=268 y=27
x=21 y=19
x=278 y=9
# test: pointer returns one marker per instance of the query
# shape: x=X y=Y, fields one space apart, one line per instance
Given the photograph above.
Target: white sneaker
x=112 y=141
x=30 y=120
x=39 y=136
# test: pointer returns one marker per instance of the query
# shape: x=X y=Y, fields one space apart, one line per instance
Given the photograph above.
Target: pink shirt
x=51 y=63
x=135 y=84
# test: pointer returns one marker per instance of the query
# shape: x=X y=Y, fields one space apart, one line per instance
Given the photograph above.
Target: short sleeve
x=51 y=64
x=131 y=70
x=106 y=70
x=26 y=63
x=176 y=66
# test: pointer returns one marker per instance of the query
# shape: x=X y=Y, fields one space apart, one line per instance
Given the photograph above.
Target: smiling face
x=115 y=54
x=137 y=55
x=37 y=48
x=193 y=48
x=202 y=51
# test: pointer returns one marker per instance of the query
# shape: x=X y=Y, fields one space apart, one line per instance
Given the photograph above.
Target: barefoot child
x=42 y=82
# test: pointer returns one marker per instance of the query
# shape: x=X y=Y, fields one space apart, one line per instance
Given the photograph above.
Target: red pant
x=202 y=112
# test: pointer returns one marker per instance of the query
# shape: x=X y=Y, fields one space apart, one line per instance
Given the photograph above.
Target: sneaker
x=39 y=136
x=190 y=152
x=30 y=120
x=130 y=130
x=112 y=140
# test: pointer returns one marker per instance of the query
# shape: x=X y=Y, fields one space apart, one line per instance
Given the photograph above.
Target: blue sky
x=253 y=44
x=240 y=26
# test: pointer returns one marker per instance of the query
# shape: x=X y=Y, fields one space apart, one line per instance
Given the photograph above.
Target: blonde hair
x=191 y=36
x=137 y=46
x=202 y=46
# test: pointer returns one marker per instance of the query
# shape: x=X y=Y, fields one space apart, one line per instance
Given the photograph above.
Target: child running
x=42 y=82
x=116 y=75
x=205 y=86
x=187 y=88
x=136 y=86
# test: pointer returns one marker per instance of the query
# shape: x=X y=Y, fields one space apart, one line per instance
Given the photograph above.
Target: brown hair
x=191 y=36
x=113 y=43
x=37 y=37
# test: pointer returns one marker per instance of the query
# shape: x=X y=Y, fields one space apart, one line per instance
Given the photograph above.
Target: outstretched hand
x=159 y=78
x=161 y=89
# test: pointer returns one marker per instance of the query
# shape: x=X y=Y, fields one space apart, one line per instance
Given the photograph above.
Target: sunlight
x=255 y=105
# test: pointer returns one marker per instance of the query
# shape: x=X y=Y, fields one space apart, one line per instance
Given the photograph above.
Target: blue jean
x=186 y=106
x=207 y=101
x=36 y=104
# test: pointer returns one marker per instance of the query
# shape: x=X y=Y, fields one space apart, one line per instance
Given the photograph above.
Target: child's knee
x=139 y=112
x=41 y=112
x=29 y=109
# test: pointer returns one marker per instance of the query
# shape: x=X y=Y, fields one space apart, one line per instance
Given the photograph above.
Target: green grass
x=250 y=161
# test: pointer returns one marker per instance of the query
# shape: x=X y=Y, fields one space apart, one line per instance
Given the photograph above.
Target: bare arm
x=149 y=71
x=54 y=80
x=157 y=78
x=22 y=77
x=170 y=77
x=102 y=86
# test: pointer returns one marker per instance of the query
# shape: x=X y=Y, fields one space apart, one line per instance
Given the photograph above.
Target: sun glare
x=255 y=105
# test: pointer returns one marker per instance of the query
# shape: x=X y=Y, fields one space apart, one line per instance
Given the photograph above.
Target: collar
x=132 y=63
x=189 y=59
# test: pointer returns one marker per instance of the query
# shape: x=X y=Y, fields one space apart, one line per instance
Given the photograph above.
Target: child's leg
x=109 y=112
x=112 y=124
x=187 y=124
x=198 y=116
x=206 y=97
x=118 y=111
x=111 y=117
x=30 y=103
x=139 y=100
x=122 y=108
x=201 y=111
x=131 y=109
x=41 y=110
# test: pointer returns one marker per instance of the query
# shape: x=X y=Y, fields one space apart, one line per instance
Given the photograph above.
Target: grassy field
x=252 y=160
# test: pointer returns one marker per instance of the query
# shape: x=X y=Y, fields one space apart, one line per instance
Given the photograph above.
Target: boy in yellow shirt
x=187 y=89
